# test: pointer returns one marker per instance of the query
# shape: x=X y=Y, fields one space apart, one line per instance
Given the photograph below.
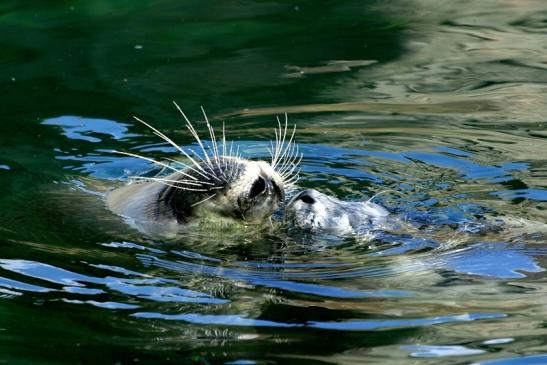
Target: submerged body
x=316 y=212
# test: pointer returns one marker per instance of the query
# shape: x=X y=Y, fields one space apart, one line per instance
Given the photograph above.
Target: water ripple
x=140 y=288
x=87 y=129
x=272 y=279
x=540 y=359
x=368 y=325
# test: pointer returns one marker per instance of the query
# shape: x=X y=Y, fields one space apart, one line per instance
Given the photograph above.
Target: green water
x=443 y=103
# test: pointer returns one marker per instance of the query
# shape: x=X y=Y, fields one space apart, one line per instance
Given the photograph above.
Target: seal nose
x=259 y=186
x=306 y=197
x=262 y=185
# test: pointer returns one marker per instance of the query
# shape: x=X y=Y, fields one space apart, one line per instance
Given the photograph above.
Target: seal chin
x=315 y=211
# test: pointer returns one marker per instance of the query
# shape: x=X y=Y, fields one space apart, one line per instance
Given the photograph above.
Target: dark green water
x=443 y=102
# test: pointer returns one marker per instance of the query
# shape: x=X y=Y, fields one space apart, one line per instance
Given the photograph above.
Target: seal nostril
x=278 y=190
x=307 y=199
x=258 y=187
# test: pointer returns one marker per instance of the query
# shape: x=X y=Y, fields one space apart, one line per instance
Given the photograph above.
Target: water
x=442 y=102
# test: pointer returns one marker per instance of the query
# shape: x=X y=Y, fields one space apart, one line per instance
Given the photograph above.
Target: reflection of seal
x=214 y=185
x=314 y=211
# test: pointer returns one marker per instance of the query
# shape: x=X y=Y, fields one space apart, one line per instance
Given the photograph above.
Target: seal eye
x=258 y=187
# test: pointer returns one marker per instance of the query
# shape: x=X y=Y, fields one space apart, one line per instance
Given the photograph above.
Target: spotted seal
x=315 y=211
x=216 y=184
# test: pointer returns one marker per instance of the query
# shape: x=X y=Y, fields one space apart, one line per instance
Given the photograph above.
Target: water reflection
x=234 y=320
x=74 y=283
x=528 y=360
x=461 y=243
x=440 y=351
x=81 y=128
x=443 y=103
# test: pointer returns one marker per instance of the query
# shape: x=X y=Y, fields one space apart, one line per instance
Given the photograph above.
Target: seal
x=251 y=191
x=214 y=185
x=314 y=211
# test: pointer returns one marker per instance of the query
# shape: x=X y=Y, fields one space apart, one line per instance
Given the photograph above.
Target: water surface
x=442 y=103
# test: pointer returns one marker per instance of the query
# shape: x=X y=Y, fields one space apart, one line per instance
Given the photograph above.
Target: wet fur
x=216 y=182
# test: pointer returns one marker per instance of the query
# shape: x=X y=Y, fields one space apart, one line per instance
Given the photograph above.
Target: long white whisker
x=167 y=139
x=159 y=134
x=280 y=139
x=181 y=187
x=213 y=138
x=196 y=164
x=232 y=167
x=288 y=145
x=203 y=174
x=271 y=150
x=196 y=137
x=289 y=172
x=224 y=146
x=295 y=170
x=288 y=164
x=377 y=194
x=287 y=175
x=216 y=187
x=204 y=200
x=214 y=162
x=198 y=169
x=283 y=144
x=207 y=160
x=157 y=163
x=197 y=155
x=292 y=182
x=294 y=177
x=275 y=150
x=292 y=160
x=231 y=148
x=289 y=155
x=161 y=179
x=232 y=159
x=284 y=153
x=213 y=142
x=223 y=139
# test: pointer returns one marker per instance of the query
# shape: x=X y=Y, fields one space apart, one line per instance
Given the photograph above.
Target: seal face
x=315 y=211
x=214 y=185
x=251 y=192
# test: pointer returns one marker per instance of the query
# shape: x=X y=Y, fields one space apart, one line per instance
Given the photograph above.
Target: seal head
x=232 y=189
x=314 y=211
x=215 y=184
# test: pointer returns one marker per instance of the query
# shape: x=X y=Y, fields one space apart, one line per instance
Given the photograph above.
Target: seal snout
x=261 y=198
x=265 y=186
x=259 y=186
